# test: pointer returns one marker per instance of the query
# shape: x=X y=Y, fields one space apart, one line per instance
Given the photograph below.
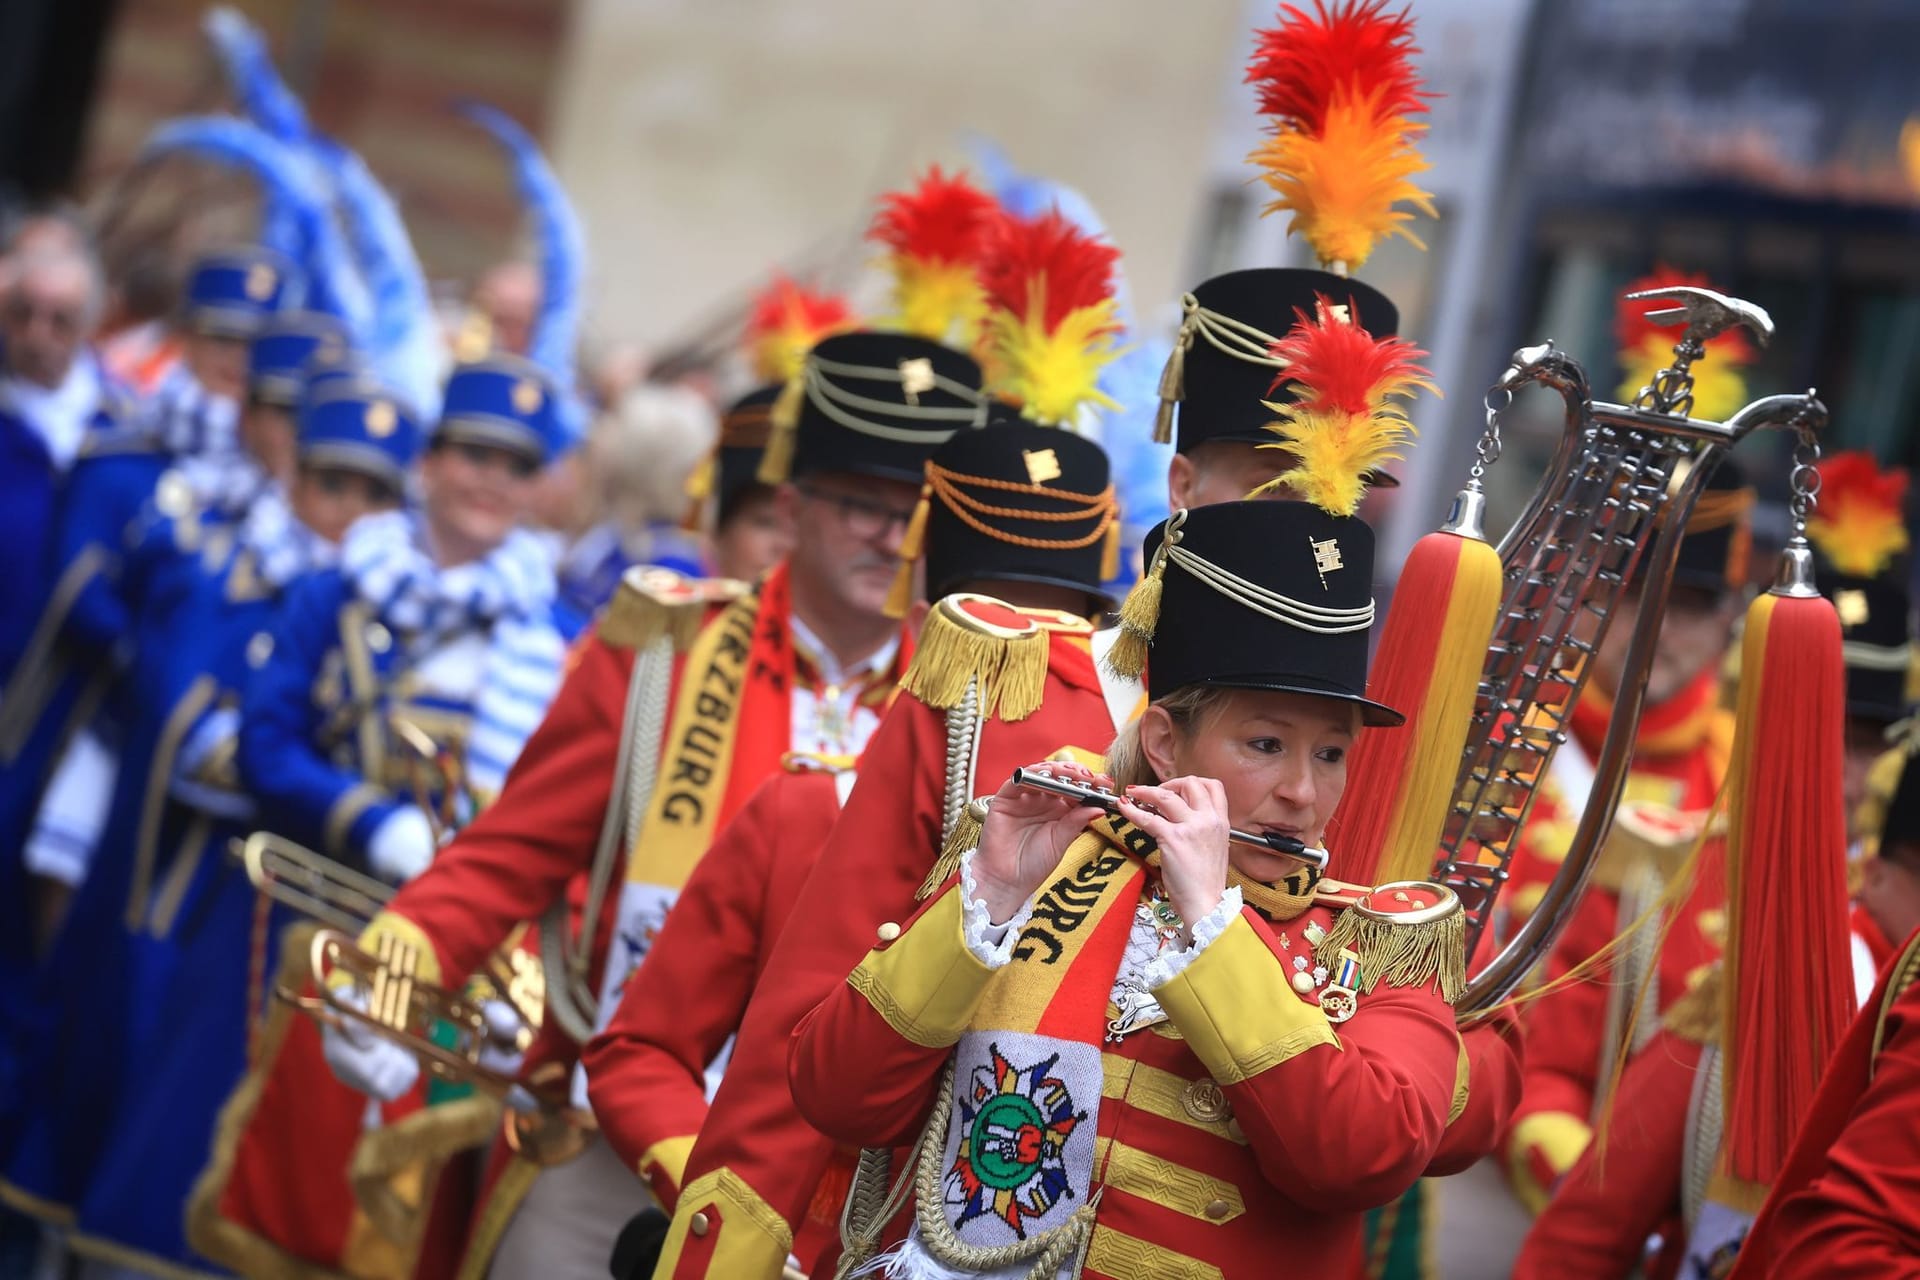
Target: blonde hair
x=1190 y=707
x=641 y=452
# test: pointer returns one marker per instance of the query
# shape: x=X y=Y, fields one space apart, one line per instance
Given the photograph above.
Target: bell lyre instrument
x=1109 y=800
x=1611 y=509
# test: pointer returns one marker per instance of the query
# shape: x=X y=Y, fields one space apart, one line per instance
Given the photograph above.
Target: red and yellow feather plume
x=1859 y=523
x=934 y=236
x=1340 y=88
x=1719 y=385
x=1052 y=317
x=785 y=322
x=1346 y=417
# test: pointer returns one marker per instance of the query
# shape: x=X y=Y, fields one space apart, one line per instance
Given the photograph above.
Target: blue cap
x=284 y=347
x=232 y=290
x=506 y=402
x=350 y=421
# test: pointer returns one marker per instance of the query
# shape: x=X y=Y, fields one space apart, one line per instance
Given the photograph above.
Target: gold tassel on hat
x=1003 y=654
x=776 y=463
x=912 y=543
x=1173 y=378
x=1140 y=611
x=1110 y=551
x=964 y=836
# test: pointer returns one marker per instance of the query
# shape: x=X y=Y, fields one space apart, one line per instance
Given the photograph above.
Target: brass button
x=888 y=931
x=1205 y=1101
x=379 y=639
x=699 y=1224
x=1217 y=1209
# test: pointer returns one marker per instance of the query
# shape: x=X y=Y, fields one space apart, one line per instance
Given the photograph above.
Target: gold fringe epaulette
x=1695 y=1016
x=977 y=640
x=394 y=1168
x=652 y=602
x=1407 y=933
x=964 y=836
x=1645 y=832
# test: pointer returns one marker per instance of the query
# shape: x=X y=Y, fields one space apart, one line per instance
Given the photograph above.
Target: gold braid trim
x=965 y=836
x=957 y=648
x=974 y=512
x=1403 y=954
x=509 y=1189
x=413 y=1145
x=653 y=602
x=1695 y=1016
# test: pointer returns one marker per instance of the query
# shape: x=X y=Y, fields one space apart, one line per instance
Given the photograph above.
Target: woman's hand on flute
x=1024 y=836
x=1187 y=817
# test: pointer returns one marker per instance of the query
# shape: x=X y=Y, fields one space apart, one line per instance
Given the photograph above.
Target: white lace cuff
x=1166 y=966
x=990 y=943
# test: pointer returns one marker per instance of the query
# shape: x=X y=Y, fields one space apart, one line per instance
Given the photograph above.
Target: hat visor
x=1096 y=595
x=1884 y=713
x=1375 y=715
x=215 y=321
x=498 y=433
x=877 y=470
x=341 y=455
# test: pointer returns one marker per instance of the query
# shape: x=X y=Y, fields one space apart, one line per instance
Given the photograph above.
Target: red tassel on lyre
x=1400 y=782
x=1788 y=988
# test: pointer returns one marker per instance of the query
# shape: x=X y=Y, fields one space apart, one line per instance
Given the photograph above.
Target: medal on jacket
x=1341 y=996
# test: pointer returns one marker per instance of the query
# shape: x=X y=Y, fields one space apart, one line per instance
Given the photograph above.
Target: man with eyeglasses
x=804 y=660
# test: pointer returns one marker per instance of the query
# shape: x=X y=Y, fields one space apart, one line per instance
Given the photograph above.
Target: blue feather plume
x=556 y=330
x=263 y=96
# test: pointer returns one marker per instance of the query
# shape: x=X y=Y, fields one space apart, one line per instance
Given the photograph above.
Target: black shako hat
x=877 y=404
x=744 y=430
x=1902 y=822
x=1220 y=373
x=1265 y=595
x=1019 y=502
x=1876 y=636
x=1718 y=546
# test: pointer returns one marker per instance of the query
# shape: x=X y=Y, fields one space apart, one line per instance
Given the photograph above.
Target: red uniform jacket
x=646 y=1073
x=1847 y=1205
x=1319 y=1123
x=1680 y=759
x=756 y=1165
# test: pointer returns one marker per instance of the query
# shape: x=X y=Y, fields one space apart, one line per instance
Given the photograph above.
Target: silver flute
x=1102 y=798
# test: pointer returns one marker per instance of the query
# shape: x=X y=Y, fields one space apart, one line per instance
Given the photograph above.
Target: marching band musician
x=1680 y=759
x=1610 y=1205
x=1147 y=1050
x=644 y=1070
x=805 y=660
x=177 y=966
x=435 y=628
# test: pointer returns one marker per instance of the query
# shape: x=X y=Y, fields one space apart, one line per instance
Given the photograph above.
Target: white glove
x=402 y=845
x=500 y=1051
x=365 y=1062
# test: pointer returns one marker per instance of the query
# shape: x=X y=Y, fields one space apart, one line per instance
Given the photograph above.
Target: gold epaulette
x=817 y=762
x=976 y=640
x=1695 y=1016
x=1645 y=832
x=1407 y=933
x=652 y=602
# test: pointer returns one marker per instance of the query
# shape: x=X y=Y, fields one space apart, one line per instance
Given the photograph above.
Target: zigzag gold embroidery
x=1172 y=1186
x=1114 y=1254
x=1157 y=1093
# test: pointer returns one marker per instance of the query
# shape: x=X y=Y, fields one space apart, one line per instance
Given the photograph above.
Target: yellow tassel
x=1139 y=618
x=776 y=463
x=1403 y=955
x=900 y=594
x=1440 y=721
x=699 y=486
x=913 y=542
x=1110 y=552
x=965 y=836
x=1173 y=389
x=1010 y=672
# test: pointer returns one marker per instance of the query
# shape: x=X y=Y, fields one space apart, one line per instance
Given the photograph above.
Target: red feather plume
x=786 y=320
x=1048 y=254
x=1355 y=46
x=942 y=219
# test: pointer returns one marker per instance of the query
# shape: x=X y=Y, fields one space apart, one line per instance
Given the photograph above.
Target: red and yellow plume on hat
x=1345 y=418
x=1052 y=317
x=1341 y=90
x=1719 y=386
x=934 y=236
x=784 y=323
x=1860 y=524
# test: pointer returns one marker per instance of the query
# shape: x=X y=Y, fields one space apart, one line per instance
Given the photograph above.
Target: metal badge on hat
x=916 y=376
x=381 y=419
x=526 y=396
x=1326 y=558
x=1042 y=465
x=260 y=281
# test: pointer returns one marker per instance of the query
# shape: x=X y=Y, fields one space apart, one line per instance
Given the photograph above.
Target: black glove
x=637 y=1252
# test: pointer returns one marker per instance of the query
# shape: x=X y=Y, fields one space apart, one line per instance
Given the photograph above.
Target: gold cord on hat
x=1230 y=337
